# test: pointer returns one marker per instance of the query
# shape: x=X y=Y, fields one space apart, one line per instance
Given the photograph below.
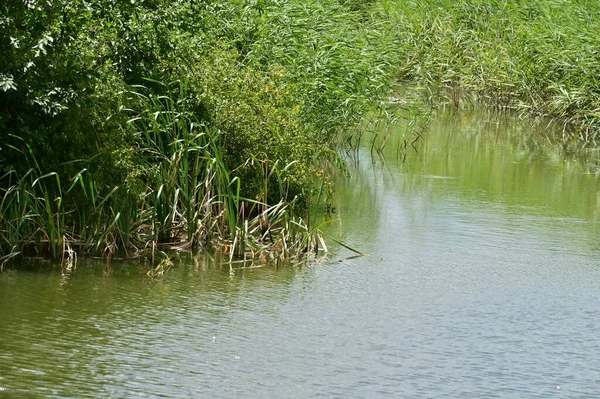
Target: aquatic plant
x=178 y=194
x=539 y=57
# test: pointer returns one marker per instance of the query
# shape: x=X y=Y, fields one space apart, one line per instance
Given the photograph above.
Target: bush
x=276 y=83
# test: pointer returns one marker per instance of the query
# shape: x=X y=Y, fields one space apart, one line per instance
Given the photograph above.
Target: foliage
x=131 y=125
x=540 y=56
x=101 y=153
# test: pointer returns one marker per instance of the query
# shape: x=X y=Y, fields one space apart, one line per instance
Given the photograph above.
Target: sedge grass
x=190 y=201
x=539 y=57
x=263 y=94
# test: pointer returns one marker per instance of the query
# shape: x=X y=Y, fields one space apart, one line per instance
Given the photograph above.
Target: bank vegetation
x=134 y=127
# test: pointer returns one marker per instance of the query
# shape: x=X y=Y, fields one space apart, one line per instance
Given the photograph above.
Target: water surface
x=482 y=281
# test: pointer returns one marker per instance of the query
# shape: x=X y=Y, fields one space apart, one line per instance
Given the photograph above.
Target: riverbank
x=137 y=128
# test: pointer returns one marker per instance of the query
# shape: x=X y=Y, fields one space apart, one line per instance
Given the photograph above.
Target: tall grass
x=265 y=94
x=227 y=159
x=189 y=200
x=539 y=56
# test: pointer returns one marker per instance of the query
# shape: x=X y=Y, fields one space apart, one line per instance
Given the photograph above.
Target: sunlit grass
x=190 y=201
x=540 y=56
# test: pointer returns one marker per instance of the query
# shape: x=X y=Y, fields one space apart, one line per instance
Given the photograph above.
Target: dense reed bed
x=540 y=57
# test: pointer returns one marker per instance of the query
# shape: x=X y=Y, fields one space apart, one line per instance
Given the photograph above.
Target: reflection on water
x=482 y=281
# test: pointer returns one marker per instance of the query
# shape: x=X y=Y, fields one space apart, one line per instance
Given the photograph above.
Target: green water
x=482 y=281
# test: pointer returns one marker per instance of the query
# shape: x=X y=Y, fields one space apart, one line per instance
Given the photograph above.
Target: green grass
x=132 y=128
x=106 y=157
x=541 y=57
x=189 y=200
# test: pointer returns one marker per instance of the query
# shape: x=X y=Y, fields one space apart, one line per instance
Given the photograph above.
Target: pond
x=481 y=280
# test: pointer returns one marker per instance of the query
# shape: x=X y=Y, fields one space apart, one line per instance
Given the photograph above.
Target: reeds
x=540 y=57
x=226 y=160
x=189 y=201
